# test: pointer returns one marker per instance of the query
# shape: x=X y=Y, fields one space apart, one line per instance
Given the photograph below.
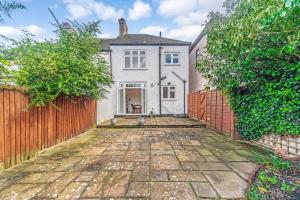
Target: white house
x=196 y=81
x=150 y=75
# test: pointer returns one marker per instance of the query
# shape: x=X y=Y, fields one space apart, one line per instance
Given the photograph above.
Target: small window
x=172 y=58
x=168 y=92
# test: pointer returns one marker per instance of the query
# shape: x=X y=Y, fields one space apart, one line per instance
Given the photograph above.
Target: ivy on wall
x=253 y=55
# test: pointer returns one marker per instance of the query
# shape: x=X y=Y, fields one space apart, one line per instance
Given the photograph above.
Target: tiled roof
x=142 y=39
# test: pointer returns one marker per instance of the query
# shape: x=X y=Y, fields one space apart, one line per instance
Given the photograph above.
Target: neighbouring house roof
x=200 y=36
x=104 y=44
x=142 y=39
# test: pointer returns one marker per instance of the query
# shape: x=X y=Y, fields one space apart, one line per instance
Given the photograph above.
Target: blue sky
x=178 y=19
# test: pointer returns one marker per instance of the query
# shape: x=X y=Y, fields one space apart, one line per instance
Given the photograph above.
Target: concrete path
x=153 y=164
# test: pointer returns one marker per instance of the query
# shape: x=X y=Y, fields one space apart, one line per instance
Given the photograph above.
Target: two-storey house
x=150 y=75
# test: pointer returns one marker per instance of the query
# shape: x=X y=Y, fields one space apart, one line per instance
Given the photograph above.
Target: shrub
x=69 y=65
x=253 y=56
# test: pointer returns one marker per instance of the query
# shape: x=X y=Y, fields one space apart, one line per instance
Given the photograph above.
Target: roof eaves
x=201 y=35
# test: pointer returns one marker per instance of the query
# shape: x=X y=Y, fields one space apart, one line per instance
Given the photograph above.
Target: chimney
x=123 y=29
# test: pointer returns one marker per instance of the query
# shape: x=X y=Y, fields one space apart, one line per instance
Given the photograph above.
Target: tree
x=6 y=8
x=67 y=66
x=253 y=56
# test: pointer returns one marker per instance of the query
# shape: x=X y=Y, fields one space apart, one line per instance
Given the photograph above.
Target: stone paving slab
x=146 y=163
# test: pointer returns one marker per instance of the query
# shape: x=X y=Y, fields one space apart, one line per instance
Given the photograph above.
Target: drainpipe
x=159 y=73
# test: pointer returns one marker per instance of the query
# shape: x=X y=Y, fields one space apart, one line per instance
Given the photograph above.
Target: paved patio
x=155 y=121
x=192 y=163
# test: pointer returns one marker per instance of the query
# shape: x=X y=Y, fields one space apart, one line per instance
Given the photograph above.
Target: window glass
x=168 y=58
x=169 y=92
x=135 y=59
x=135 y=62
x=175 y=58
x=127 y=62
x=142 y=62
x=121 y=100
x=165 y=92
x=172 y=95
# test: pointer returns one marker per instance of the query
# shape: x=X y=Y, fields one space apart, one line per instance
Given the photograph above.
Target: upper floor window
x=172 y=58
x=135 y=59
x=168 y=92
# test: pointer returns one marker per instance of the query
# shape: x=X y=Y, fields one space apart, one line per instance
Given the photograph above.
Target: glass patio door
x=121 y=96
x=121 y=101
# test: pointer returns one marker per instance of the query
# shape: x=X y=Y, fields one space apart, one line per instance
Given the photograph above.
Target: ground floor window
x=168 y=92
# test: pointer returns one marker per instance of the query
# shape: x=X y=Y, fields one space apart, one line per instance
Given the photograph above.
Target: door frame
x=132 y=85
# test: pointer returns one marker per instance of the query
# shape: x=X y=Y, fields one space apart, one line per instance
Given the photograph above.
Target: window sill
x=172 y=64
x=168 y=99
x=135 y=68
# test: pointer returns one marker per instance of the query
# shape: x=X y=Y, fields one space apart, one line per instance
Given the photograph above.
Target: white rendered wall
x=150 y=76
x=196 y=81
x=176 y=106
x=105 y=107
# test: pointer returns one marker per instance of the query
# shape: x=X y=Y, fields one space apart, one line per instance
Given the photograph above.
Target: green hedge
x=254 y=57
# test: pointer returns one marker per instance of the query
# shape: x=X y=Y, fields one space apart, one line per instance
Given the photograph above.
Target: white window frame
x=169 y=92
x=131 y=59
x=172 y=58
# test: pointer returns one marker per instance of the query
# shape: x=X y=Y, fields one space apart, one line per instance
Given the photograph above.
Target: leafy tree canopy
x=253 y=55
x=6 y=8
x=69 y=65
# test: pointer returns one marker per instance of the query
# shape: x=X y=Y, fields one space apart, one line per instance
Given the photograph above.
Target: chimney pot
x=123 y=29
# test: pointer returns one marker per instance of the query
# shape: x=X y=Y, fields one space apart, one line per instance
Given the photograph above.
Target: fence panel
x=212 y=108
x=24 y=132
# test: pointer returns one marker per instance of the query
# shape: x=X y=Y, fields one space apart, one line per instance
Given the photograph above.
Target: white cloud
x=139 y=10
x=153 y=30
x=84 y=8
x=10 y=31
x=104 y=35
x=35 y=30
x=186 y=33
x=170 y=8
x=188 y=16
x=18 y=32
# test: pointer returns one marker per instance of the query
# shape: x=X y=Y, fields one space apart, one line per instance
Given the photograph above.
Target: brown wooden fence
x=212 y=108
x=23 y=132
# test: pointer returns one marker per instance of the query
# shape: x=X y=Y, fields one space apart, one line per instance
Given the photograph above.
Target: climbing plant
x=69 y=65
x=253 y=55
